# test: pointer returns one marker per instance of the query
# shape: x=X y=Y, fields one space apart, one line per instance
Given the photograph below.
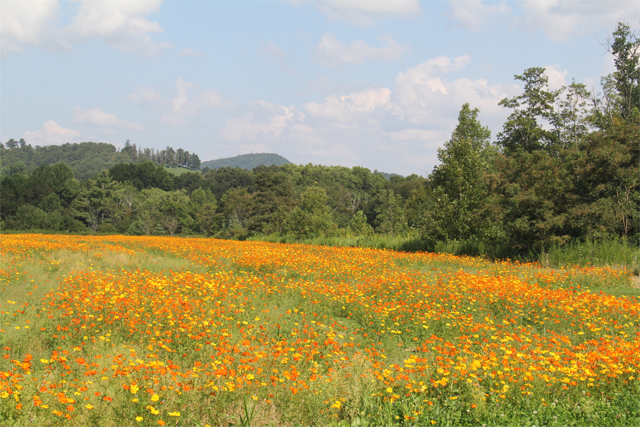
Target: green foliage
x=247 y=161
x=523 y=129
x=536 y=194
x=359 y=225
x=86 y=159
x=202 y=208
x=390 y=210
x=226 y=178
x=143 y=176
x=625 y=49
x=272 y=201
x=312 y=217
x=457 y=206
x=235 y=210
x=138 y=228
x=612 y=252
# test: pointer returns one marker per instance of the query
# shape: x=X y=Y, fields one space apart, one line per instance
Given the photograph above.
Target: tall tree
x=625 y=49
x=523 y=129
x=458 y=190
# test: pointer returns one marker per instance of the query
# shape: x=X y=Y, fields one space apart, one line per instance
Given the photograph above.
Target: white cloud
x=345 y=108
x=26 y=23
x=557 y=77
x=422 y=84
x=122 y=24
x=366 y=12
x=331 y=52
x=108 y=122
x=393 y=129
x=187 y=51
x=474 y=14
x=265 y=120
x=51 y=133
x=177 y=109
x=557 y=19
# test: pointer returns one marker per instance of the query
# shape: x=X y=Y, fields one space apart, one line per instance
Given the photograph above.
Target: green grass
x=178 y=170
x=606 y=253
x=610 y=253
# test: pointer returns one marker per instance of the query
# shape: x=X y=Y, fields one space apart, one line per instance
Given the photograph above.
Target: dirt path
x=635 y=281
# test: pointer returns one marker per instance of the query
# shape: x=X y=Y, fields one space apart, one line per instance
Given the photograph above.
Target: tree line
x=88 y=158
x=565 y=166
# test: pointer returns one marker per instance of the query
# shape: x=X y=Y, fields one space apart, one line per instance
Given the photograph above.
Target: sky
x=377 y=84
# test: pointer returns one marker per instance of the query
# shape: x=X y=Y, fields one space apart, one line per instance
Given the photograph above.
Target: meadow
x=148 y=331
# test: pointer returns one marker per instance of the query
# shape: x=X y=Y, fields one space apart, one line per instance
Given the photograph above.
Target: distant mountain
x=246 y=161
x=388 y=176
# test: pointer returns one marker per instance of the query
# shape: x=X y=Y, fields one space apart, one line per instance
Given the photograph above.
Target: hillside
x=247 y=161
x=86 y=158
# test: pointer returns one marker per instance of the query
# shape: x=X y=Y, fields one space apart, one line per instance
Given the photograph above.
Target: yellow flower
x=4 y=394
x=337 y=405
x=174 y=414
x=89 y=406
x=155 y=398
x=250 y=376
x=134 y=389
x=44 y=361
x=138 y=419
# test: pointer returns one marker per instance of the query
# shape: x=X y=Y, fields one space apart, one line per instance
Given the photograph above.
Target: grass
x=603 y=253
x=115 y=330
x=178 y=170
x=612 y=252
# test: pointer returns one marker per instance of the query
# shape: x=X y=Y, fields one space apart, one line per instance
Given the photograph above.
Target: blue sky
x=336 y=82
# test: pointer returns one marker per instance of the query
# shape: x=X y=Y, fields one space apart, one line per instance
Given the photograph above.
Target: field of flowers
x=151 y=331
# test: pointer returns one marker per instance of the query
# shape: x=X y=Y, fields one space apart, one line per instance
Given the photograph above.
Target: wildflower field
x=149 y=331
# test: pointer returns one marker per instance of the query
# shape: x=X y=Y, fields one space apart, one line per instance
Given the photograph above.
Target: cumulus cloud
x=107 y=122
x=405 y=123
x=331 y=52
x=26 y=23
x=345 y=108
x=557 y=77
x=557 y=19
x=51 y=133
x=122 y=24
x=366 y=12
x=176 y=110
x=265 y=120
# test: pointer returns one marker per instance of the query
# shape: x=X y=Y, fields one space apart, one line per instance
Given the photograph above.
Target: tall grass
x=613 y=252
x=604 y=253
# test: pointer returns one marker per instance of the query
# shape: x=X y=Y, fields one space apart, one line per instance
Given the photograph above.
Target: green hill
x=86 y=158
x=247 y=161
